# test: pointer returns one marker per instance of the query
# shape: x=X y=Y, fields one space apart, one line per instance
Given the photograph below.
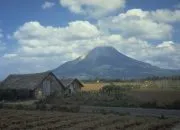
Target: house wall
x=74 y=87
x=55 y=87
x=16 y=94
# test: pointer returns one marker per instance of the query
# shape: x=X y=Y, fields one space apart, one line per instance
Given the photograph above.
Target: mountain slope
x=107 y=62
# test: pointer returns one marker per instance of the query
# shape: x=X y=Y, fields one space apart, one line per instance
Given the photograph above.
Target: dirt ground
x=46 y=120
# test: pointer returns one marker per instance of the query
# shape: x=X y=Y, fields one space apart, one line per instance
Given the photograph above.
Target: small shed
x=72 y=85
x=37 y=86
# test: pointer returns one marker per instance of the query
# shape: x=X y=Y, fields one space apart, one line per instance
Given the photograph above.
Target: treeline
x=131 y=80
x=163 y=78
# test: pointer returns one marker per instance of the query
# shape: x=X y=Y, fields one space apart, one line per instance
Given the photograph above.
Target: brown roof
x=67 y=82
x=25 y=81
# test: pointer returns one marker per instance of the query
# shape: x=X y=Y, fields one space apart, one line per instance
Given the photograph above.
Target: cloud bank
x=45 y=47
x=140 y=34
x=94 y=8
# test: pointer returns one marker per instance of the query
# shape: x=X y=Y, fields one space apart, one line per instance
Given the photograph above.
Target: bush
x=29 y=107
x=41 y=106
x=174 y=105
x=65 y=108
x=102 y=111
x=19 y=107
x=162 y=117
x=1 y=105
x=9 y=106
x=115 y=89
x=152 y=104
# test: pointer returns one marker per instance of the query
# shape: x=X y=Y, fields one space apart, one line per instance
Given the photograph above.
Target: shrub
x=19 y=107
x=29 y=107
x=40 y=106
x=102 y=111
x=65 y=108
x=8 y=106
x=162 y=117
x=74 y=109
x=174 y=105
x=115 y=89
x=152 y=104
x=1 y=105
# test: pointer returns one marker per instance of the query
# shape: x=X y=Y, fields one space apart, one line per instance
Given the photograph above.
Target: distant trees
x=132 y=80
x=162 y=78
x=112 y=88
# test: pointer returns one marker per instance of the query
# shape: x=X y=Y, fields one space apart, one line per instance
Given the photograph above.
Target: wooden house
x=36 y=86
x=72 y=85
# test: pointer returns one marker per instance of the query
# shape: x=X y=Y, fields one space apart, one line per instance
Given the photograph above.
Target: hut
x=71 y=85
x=36 y=86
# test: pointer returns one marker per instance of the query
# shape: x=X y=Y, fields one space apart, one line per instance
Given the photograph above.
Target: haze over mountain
x=106 y=62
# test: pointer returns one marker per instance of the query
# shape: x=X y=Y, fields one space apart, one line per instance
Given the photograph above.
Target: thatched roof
x=24 y=81
x=67 y=82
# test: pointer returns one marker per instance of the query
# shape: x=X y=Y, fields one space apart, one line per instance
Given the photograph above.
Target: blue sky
x=38 y=35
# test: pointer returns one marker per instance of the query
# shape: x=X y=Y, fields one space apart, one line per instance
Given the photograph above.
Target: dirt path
x=177 y=127
x=28 y=102
x=132 y=111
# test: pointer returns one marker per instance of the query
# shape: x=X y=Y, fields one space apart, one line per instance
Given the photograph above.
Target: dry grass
x=93 y=86
x=44 y=120
x=98 y=86
x=160 y=96
x=149 y=85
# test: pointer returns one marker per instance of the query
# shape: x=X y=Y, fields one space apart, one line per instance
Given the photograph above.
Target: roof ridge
x=28 y=74
x=32 y=79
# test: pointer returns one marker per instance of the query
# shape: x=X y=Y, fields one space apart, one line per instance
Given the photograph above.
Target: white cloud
x=141 y=24
x=167 y=44
x=9 y=55
x=47 y=5
x=45 y=47
x=93 y=8
x=167 y=55
x=165 y=15
x=48 y=46
x=76 y=29
x=159 y=15
x=37 y=40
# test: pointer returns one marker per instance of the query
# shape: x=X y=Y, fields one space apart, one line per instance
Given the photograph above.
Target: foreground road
x=133 y=111
x=177 y=127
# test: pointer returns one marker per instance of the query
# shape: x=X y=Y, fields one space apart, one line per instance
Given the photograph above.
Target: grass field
x=158 y=95
x=144 y=85
x=44 y=120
